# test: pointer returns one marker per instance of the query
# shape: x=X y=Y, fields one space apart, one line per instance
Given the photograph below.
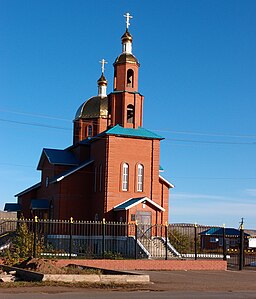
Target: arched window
x=140 y=177
x=129 y=82
x=130 y=114
x=125 y=175
x=89 y=131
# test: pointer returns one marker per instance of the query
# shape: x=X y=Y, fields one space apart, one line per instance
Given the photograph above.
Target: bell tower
x=125 y=102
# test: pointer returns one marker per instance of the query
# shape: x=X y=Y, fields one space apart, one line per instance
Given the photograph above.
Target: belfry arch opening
x=130 y=78
x=130 y=114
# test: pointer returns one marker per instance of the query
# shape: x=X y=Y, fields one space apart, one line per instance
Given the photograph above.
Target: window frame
x=125 y=177
x=140 y=177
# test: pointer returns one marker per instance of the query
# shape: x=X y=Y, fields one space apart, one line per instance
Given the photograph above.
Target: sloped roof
x=12 y=207
x=166 y=182
x=57 y=157
x=218 y=231
x=36 y=186
x=129 y=132
x=126 y=205
x=70 y=171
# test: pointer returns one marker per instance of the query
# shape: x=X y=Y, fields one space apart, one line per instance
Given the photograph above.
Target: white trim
x=170 y=184
x=71 y=172
x=125 y=177
x=140 y=201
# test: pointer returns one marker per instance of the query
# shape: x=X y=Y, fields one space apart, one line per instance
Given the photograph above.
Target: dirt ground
x=228 y=281
x=48 y=266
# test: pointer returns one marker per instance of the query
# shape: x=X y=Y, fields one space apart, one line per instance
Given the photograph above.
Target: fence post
x=224 y=243
x=35 y=234
x=103 y=237
x=195 y=238
x=136 y=238
x=70 y=236
x=241 y=247
x=166 y=241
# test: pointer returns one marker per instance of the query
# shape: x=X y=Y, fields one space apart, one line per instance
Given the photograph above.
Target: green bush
x=22 y=245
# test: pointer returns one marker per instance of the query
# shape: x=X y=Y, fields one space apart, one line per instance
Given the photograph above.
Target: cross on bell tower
x=128 y=17
x=103 y=62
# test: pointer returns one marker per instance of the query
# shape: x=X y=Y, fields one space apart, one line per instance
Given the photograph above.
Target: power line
x=35 y=115
x=168 y=139
x=20 y=165
x=34 y=124
x=211 y=142
x=213 y=178
x=205 y=134
x=155 y=130
x=170 y=179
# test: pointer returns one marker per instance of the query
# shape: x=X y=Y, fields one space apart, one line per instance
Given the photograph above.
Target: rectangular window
x=133 y=217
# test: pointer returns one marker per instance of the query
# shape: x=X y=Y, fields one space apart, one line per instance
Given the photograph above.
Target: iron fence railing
x=101 y=239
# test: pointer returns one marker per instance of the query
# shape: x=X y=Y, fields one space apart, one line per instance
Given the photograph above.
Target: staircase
x=155 y=248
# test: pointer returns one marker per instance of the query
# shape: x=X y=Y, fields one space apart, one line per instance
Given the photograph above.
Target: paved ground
x=167 y=284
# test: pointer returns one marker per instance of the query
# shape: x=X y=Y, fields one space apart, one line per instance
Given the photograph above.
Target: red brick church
x=112 y=169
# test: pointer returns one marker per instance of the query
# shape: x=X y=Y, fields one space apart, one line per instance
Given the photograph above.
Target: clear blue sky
x=198 y=75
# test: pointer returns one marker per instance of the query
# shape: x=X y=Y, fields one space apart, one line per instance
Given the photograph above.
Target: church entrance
x=144 y=220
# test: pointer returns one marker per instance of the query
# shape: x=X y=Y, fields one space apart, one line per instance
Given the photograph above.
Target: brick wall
x=172 y=265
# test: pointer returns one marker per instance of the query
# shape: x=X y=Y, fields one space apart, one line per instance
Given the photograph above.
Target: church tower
x=125 y=102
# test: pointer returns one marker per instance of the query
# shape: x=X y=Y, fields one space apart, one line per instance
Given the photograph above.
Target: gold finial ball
x=102 y=80
x=126 y=37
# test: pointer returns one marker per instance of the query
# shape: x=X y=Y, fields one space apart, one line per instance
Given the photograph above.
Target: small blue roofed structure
x=218 y=231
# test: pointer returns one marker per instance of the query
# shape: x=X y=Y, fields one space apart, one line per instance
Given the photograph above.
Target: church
x=112 y=170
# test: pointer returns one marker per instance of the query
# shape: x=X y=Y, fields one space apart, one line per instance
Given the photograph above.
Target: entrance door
x=144 y=220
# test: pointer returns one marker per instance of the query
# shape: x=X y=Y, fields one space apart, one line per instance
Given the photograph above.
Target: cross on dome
x=103 y=62
x=128 y=17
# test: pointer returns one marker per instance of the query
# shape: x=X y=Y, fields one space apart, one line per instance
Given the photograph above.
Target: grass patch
x=22 y=284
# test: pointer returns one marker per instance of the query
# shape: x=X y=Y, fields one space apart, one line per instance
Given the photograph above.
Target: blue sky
x=198 y=74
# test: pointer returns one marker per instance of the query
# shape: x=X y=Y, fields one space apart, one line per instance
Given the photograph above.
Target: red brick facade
x=112 y=160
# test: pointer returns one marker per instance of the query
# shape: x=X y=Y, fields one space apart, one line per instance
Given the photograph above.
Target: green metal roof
x=140 y=132
x=126 y=205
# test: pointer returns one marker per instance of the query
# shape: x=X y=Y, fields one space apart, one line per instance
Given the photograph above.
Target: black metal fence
x=80 y=239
